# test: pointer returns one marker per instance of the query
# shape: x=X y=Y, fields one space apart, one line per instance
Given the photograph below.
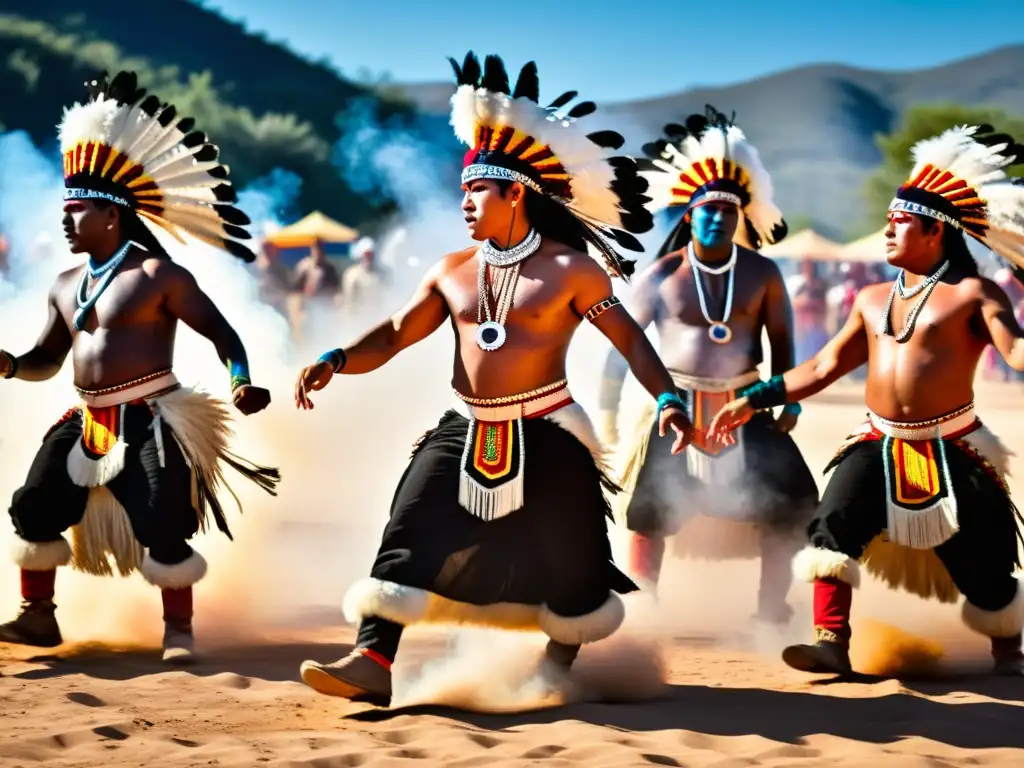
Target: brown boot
x=36 y=625
x=360 y=676
x=829 y=653
x=1009 y=661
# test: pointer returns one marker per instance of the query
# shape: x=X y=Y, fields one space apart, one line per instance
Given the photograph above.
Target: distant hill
x=266 y=106
x=814 y=126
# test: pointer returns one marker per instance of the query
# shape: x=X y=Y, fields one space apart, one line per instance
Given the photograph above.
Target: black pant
x=980 y=557
x=158 y=500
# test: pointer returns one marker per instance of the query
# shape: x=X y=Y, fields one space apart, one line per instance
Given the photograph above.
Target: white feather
x=86 y=122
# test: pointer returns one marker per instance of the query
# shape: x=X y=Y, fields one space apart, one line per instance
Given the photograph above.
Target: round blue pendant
x=720 y=333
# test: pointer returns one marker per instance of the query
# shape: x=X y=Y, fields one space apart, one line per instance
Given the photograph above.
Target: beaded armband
x=239 y=374
x=767 y=394
x=795 y=408
x=601 y=307
x=335 y=358
x=12 y=364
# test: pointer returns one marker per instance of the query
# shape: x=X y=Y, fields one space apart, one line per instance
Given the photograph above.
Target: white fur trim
x=589 y=628
x=1006 y=622
x=87 y=472
x=412 y=605
x=40 y=556
x=184 y=574
x=813 y=563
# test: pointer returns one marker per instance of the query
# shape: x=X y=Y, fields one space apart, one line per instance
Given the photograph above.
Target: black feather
x=186 y=124
x=983 y=128
x=583 y=109
x=237 y=232
x=219 y=172
x=528 y=83
x=696 y=124
x=991 y=139
x=208 y=153
x=562 y=100
x=607 y=139
x=639 y=221
x=456 y=70
x=627 y=240
x=167 y=114
x=495 y=77
x=471 y=69
x=675 y=129
x=654 y=149
x=232 y=215
x=194 y=139
x=779 y=231
x=225 y=193
x=240 y=251
x=150 y=105
x=124 y=88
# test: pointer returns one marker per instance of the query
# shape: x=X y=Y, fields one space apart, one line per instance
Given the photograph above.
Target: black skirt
x=157 y=500
x=777 y=489
x=554 y=551
x=980 y=557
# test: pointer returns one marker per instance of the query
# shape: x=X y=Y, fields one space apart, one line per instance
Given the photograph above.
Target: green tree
x=923 y=122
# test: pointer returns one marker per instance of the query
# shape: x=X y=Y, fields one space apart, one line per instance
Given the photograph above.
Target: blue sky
x=611 y=51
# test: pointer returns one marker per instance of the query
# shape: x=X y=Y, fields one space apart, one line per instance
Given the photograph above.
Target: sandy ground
x=703 y=689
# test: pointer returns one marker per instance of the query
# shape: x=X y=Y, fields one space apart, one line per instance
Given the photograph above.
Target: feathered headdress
x=512 y=137
x=709 y=159
x=129 y=148
x=959 y=178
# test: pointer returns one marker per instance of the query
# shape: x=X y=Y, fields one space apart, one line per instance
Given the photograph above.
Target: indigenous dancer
x=500 y=518
x=710 y=295
x=918 y=492
x=134 y=469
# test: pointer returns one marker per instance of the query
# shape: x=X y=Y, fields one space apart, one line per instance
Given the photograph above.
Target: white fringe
x=1006 y=622
x=927 y=527
x=105 y=532
x=184 y=574
x=40 y=556
x=492 y=503
x=723 y=470
x=87 y=472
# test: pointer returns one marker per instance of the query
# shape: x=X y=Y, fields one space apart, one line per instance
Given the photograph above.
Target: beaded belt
x=952 y=425
x=536 y=402
x=146 y=387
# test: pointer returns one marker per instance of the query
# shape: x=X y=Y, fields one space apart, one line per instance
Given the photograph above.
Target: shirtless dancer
x=133 y=470
x=500 y=519
x=710 y=297
x=918 y=493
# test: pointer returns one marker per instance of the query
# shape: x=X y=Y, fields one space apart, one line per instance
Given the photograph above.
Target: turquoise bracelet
x=666 y=399
x=335 y=358
x=767 y=394
x=239 y=374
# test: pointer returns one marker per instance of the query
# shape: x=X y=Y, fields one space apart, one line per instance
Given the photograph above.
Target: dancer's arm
x=778 y=322
x=642 y=305
x=420 y=317
x=627 y=336
x=47 y=357
x=846 y=352
x=1003 y=329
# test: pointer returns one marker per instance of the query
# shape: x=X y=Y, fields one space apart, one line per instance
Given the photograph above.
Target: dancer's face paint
x=912 y=242
x=714 y=224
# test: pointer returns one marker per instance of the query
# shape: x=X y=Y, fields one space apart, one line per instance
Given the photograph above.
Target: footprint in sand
x=540 y=753
x=85 y=699
x=483 y=740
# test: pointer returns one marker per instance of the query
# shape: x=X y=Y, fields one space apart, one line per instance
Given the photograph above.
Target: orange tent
x=314 y=228
x=806 y=244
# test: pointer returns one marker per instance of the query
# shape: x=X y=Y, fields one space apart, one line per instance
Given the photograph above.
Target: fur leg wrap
x=1006 y=622
x=40 y=556
x=589 y=628
x=813 y=563
x=184 y=574
x=411 y=605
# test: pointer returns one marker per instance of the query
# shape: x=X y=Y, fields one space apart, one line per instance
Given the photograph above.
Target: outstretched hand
x=249 y=399
x=312 y=378
x=677 y=420
x=733 y=414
